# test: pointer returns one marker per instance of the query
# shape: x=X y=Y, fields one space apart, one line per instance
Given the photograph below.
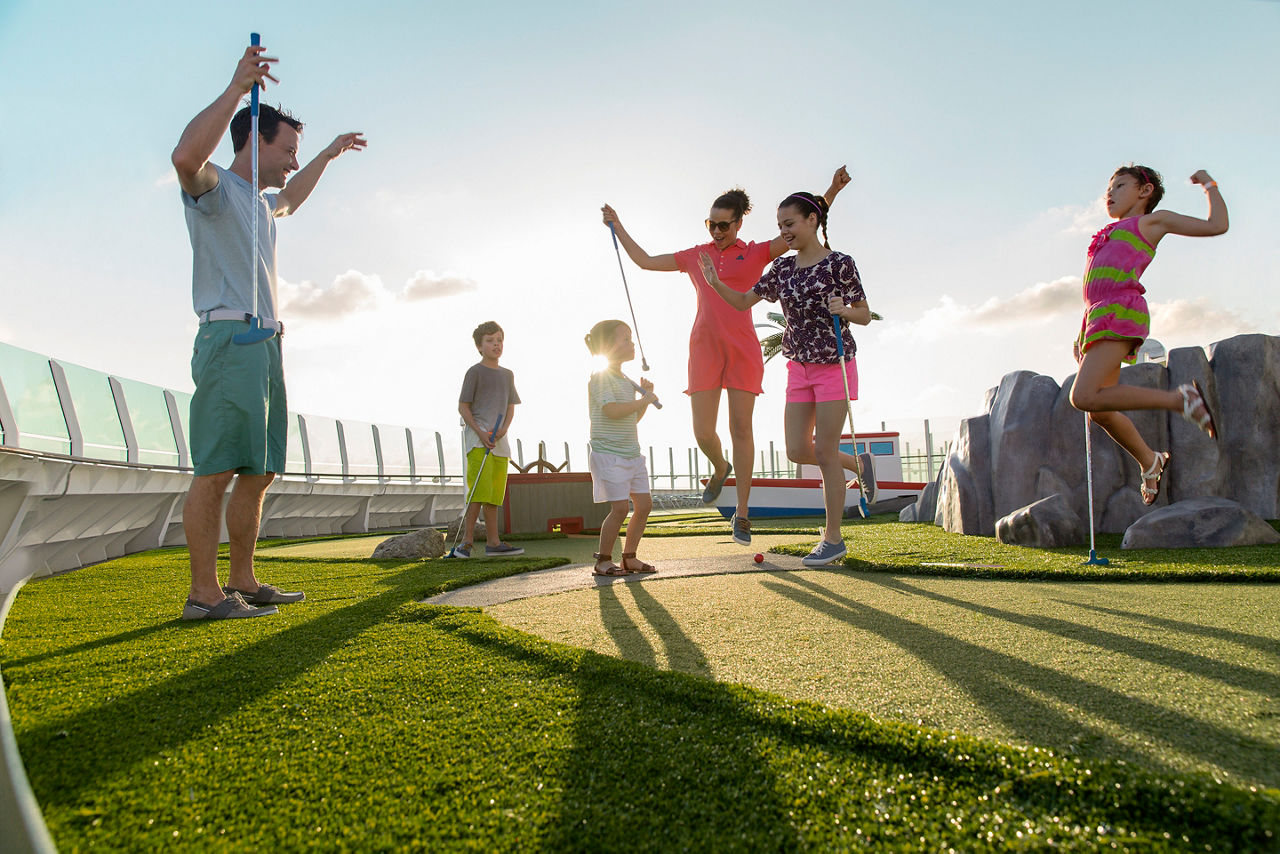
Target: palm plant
x=771 y=344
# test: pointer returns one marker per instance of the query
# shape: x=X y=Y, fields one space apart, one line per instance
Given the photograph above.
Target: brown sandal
x=611 y=569
x=644 y=567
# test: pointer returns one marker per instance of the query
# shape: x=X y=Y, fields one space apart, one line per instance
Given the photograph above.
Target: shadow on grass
x=79 y=751
x=1011 y=690
x=667 y=760
x=1258 y=642
x=680 y=650
x=1248 y=678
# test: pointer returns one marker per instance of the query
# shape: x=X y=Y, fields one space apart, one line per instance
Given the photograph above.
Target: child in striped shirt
x=618 y=471
x=1116 y=319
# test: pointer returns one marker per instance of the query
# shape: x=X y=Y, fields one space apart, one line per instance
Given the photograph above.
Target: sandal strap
x=601 y=556
x=626 y=555
x=1157 y=466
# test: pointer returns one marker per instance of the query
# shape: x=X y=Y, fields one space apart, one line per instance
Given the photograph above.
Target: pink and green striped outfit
x=1115 y=308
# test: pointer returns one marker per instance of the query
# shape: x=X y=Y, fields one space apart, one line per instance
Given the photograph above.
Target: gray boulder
x=427 y=542
x=964 y=493
x=1199 y=523
x=1045 y=524
x=1245 y=397
x=1020 y=413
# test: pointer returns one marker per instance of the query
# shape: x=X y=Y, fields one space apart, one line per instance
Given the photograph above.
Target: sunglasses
x=712 y=225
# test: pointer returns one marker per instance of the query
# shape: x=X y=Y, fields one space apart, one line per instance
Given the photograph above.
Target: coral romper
x=1115 y=308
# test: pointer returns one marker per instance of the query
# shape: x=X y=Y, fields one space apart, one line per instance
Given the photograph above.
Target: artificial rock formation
x=1199 y=522
x=1030 y=444
x=1049 y=523
x=427 y=542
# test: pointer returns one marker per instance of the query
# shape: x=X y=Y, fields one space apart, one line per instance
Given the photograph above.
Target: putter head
x=1094 y=560
x=254 y=334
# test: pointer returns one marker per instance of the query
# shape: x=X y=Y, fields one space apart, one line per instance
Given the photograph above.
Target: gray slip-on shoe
x=231 y=608
x=715 y=485
x=267 y=594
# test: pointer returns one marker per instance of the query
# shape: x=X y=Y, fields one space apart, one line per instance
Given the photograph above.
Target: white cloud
x=426 y=284
x=1079 y=219
x=1035 y=305
x=1197 y=322
x=350 y=292
x=168 y=179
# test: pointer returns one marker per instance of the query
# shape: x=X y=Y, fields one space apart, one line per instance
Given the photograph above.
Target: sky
x=980 y=137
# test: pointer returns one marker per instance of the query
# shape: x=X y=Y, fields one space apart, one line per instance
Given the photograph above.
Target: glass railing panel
x=322 y=436
x=33 y=397
x=151 y=425
x=362 y=457
x=295 y=461
x=395 y=450
x=96 y=412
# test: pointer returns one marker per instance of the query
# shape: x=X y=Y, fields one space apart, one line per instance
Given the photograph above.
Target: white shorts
x=615 y=478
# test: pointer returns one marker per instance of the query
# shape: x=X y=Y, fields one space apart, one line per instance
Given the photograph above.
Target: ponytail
x=807 y=203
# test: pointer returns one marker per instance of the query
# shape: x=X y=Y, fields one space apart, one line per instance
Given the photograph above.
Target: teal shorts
x=492 y=486
x=238 y=412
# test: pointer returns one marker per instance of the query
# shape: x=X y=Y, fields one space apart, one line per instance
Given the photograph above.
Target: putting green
x=1175 y=676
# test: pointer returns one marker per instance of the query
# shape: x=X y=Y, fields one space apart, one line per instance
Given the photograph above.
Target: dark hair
x=489 y=327
x=269 y=119
x=809 y=203
x=1143 y=175
x=734 y=200
x=601 y=336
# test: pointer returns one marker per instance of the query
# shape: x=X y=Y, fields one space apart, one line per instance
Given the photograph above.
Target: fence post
x=567 y=467
x=653 y=472
x=519 y=453
x=928 y=449
x=440 y=454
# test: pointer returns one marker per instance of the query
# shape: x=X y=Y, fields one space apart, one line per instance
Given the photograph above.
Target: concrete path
x=578 y=576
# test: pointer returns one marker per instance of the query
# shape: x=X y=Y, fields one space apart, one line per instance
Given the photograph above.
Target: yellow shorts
x=491 y=487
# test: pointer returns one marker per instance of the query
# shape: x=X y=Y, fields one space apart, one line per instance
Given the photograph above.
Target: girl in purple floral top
x=811 y=286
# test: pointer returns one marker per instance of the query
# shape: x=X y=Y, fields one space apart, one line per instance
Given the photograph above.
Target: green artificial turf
x=882 y=544
x=363 y=720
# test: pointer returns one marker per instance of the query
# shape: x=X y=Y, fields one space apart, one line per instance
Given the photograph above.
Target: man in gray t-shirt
x=238 y=419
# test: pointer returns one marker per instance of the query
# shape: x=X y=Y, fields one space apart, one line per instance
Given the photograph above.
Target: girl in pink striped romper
x=1116 y=319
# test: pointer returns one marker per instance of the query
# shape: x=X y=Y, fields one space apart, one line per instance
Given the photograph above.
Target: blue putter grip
x=496 y=425
x=835 y=318
x=614 y=234
x=255 y=40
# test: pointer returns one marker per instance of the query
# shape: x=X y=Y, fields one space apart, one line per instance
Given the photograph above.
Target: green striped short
x=238 y=412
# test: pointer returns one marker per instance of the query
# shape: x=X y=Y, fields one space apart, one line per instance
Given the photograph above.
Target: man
x=238 y=416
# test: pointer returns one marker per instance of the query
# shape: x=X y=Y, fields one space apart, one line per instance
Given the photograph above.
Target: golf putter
x=255 y=333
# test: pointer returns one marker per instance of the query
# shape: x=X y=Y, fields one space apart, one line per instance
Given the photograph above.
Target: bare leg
x=830 y=424
x=742 y=405
x=643 y=503
x=706 y=409
x=202 y=524
x=612 y=524
x=1096 y=391
x=244 y=517
x=469 y=522
x=491 y=524
x=1096 y=387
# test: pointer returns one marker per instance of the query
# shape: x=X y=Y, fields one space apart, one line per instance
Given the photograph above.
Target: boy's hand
x=609 y=215
x=1201 y=177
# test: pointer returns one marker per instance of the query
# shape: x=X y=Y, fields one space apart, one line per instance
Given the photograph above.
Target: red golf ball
x=759 y=558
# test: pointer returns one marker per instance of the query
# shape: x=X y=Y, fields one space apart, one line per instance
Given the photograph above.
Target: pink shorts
x=808 y=382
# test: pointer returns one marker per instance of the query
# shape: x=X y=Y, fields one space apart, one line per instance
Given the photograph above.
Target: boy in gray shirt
x=488 y=393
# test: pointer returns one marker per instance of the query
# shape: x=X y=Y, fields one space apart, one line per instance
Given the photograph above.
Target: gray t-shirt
x=489 y=391
x=219 y=223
